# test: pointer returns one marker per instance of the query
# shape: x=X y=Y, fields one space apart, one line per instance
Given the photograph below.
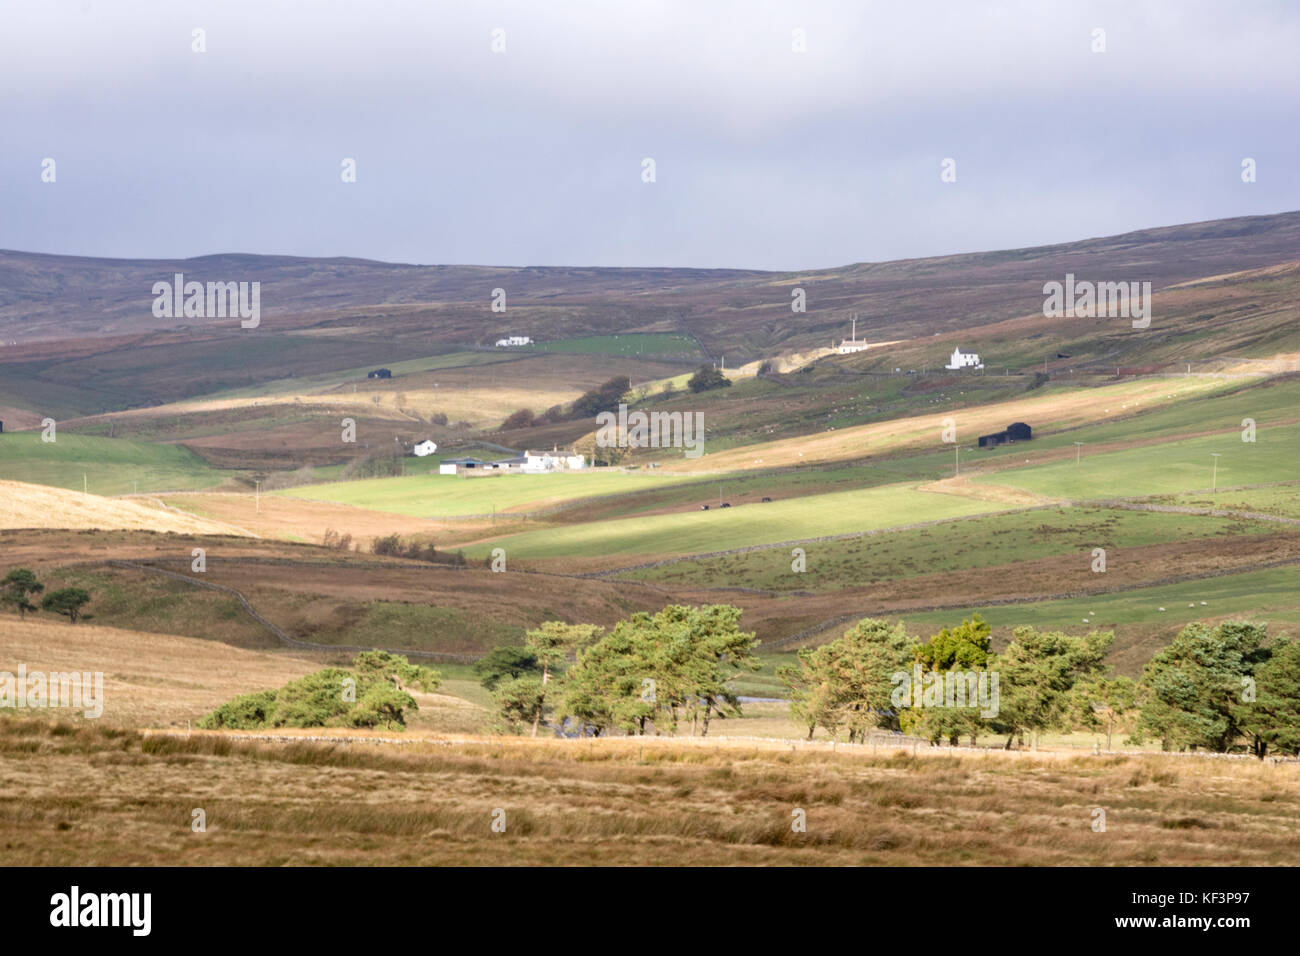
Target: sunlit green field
x=1184 y=465
x=762 y=523
x=1271 y=595
x=109 y=466
x=437 y=496
x=972 y=543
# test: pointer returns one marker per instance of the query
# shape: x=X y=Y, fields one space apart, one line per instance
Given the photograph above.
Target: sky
x=764 y=157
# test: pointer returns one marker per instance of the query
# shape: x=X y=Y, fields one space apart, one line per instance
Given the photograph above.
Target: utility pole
x=1214 y=481
x=956 y=460
x=1078 y=447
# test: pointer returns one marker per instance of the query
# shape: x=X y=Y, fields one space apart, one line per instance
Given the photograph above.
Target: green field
x=1165 y=468
x=1269 y=595
x=110 y=466
x=719 y=529
x=440 y=496
x=644 y=344
x=974 y=543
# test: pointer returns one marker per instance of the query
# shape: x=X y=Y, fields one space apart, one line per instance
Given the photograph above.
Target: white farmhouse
x=537 y=462
x=425 y=447
x=962 y=359
x=853 y=344
x=512 y=340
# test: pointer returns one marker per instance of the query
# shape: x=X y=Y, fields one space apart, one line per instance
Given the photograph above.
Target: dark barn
x=1017 y=431
x=380 y=373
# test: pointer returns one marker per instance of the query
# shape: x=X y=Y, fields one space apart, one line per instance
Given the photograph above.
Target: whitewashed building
x=538 y=462
x=512 y=340
x=962 y=359
x=853 y=344
x=425 y=448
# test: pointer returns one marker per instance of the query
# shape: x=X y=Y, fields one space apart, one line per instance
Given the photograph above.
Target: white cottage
x=513 y=340
x=853 y=344
x=425 y=447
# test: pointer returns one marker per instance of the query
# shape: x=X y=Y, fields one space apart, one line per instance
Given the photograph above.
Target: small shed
x=381 y=373
x=1017 y=431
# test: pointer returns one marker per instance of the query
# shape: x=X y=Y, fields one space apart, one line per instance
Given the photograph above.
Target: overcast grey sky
x=765 y=158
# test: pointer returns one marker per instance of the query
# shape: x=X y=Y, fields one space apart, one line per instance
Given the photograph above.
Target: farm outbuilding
x=381 y=373
x=1016 y=431
x=460 y=466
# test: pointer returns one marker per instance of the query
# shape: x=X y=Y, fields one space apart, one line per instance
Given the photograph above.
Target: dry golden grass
x=161 y=681
x=38 y=506
x=86 y=796
x=150 y=680
x=297 y=519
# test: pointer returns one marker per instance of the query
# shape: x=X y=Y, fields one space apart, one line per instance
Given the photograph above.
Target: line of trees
x=1217 y=688
x=21 y=585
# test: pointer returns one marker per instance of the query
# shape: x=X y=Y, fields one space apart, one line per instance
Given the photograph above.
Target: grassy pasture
x=1135 y=616
x=740 y=526
x=971 y=543
x=111 y=466
x=1164 y=468
x=434 y=496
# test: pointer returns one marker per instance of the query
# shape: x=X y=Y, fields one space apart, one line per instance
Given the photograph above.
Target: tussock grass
x=82 y=794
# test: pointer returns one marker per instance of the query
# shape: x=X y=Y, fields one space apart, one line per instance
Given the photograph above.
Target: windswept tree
x=1101 y=700
x=1272 y=719
x=15 y=590
x=659 y=669
x=1041 y=676
x=849 y=681
x=551 y=645
x=370 y=695
x=963 y=648
x=396 y=669
x=66 y=601
x=1193 y=688
x=604 y=688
